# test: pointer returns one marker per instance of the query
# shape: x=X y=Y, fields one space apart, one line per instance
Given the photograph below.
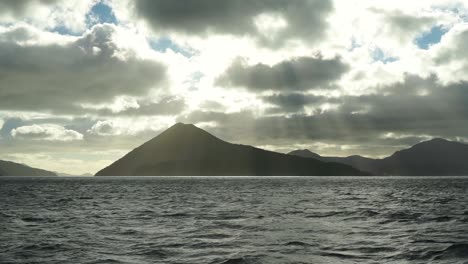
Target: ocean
x=234 y=220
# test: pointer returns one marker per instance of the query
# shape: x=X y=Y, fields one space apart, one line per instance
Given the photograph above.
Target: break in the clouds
x=84 y=82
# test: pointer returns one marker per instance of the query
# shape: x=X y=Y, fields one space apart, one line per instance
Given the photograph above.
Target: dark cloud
x=412 y=110
x=92 y=69
x=18 y=34
x=410 y=23
x=17 y=7
x=416 y=102
x=305 y=18
x=298 y=74
x=402 y=26
x=454 y=50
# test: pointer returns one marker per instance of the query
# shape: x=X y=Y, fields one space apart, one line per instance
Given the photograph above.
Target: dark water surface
x=232 y=220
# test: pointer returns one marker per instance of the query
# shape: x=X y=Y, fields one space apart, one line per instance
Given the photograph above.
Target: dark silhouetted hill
x=8 y=168
x=437 y=157
x=185 y=150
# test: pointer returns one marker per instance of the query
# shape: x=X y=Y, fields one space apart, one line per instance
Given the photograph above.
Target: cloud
x=104 y=128
x=48 y=132
x=130 y=126
x=415 y=106
x=297 y=74
x=166 y=106
x=295 y=102
x=20 y=7
x=370 y=92
x=404 y=24
x=50 y=14
x=449 y=56
x=91 y=69
x=304 y=19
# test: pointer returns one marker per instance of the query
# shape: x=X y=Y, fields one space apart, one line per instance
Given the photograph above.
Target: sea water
x=234 y=220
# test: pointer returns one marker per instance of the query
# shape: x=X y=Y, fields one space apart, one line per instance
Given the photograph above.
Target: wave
x=458 y=250
x=297 y=244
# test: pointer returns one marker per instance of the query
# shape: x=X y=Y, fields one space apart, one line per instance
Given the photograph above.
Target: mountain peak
x=436 y=143
x=186 y=133
x=301 y=151
x=180 y=126
x=434 y=157
x=185 y=149
x=437 y=140
x=304 y=153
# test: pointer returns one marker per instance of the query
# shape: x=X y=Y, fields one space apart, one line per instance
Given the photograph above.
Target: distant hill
x=363 y=163
x=8 y=168
x=186 y=150
x=437 y=157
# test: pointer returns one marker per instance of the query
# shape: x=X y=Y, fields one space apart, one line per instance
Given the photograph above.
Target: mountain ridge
x=186 y=150
x=435 y=157
x=9 y=168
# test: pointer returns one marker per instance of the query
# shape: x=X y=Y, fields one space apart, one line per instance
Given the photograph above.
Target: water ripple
x=229 y=220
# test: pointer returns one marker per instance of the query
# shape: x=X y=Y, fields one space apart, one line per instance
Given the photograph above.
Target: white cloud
x=120 y=104
x=392 y=135
x=24 y=34
x=49 y=14
x=48 y=132
x=104 y=128
x=124 y=126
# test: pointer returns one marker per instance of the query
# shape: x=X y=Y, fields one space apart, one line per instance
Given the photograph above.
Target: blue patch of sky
x=165 y=43
x=354 y=44
x=100 y=13
x=9 y=125
x=431 y=37
x=194 y=79
x=379 y=55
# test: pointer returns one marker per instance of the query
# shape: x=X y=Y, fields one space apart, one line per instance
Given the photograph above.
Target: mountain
x=187 y=150
x=362 y=163
x=436 y=157
x=8 y=168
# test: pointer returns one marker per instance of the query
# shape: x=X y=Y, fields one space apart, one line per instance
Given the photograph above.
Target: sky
x=84 y=82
